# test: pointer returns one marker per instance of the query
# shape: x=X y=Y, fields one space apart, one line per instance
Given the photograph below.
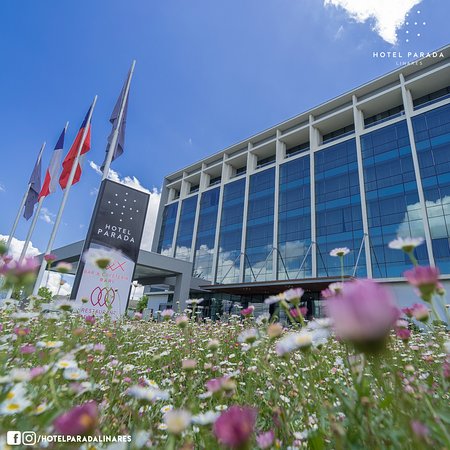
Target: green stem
x=413 y=258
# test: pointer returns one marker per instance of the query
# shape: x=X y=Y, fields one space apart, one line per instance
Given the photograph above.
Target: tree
x=45 y=293
x=142 y=303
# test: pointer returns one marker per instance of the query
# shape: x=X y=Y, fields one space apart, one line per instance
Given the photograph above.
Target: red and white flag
x=72 y=155
x=51 y=175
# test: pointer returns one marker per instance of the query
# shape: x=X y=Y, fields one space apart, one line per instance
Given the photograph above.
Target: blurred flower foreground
x=368 y=376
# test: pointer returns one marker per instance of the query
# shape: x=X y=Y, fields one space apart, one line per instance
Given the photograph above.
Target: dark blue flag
x=114 y=119
x=35 y=188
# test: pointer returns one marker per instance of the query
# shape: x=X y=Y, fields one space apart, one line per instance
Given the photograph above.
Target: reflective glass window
x=186 y=228
x=167 y=228
x=259 y=236
x=230 y=235
x=432 y=136
x=393 y=207
x=294 y=220
x=206 y=232
x=338 y=209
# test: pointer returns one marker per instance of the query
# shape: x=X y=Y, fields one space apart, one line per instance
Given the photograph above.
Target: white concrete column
x=359 y=128
x=314 y=141
x=203 y=183
x=279 y=156
x=175 y=230
x=219 y=220
x=159 y=218
x=250 y=168
x=409 y=109
x=183 y=192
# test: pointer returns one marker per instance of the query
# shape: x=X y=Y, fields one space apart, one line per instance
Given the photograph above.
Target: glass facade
x=230 y=235
x=393 y=207
x=294 y=220
x=260 y=218
x=390 y=187
x=186 y=228
x=206 y=232
x=167 y=228
x=338 y=209
x=432 y=136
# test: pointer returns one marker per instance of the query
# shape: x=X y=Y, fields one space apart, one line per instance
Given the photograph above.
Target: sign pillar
x=117 y=224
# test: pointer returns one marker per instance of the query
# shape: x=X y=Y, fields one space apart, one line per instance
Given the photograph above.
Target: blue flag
x=33 y=191
x=114 y=119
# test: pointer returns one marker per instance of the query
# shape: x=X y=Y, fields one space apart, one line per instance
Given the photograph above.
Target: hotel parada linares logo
x=407 y=58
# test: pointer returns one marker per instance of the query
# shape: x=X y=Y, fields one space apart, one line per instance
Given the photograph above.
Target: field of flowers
x=364 y=378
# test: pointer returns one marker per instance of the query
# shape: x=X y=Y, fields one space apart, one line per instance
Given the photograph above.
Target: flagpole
x=34 y=221
x=115 y=135
x=27 y=240
x=64 y=201
x=19 y=213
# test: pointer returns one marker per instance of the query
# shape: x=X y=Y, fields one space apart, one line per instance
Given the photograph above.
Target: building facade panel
x=167 y=229
x=338 y=209
x=206 y=232
x=432 y=136
x=230 y=232
x=294 y=220
x=260 y=221
x=393 y=206
x=186 y=228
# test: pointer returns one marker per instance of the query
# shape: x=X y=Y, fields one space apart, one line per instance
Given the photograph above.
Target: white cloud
x=153 y=204
x=16 y=247
x=388 y=15
x=47 y=216
x=52 y=279
x=2 y=188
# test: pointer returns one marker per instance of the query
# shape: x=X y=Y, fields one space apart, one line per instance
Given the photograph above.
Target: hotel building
x=356 y=171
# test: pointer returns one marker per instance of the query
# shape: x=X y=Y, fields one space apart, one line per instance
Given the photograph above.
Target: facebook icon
x=13 y=437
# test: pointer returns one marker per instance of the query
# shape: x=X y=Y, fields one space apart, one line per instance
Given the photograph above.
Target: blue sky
x=208 y=74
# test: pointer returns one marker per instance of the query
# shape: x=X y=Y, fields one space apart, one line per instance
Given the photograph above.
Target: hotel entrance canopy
x=151 y=268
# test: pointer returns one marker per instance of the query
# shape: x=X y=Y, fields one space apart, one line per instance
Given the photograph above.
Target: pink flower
x=294 y=313
x=167 y=314
x=425 y=279
x=363 y=314
x=419 y=429
x=235 y=426
x=37 y=371
x=247 y=312
x=420 y=312
x=16 y=273
x=90 y=320
x=408 y=312
x=27 y=349
x=188 y=364
x=80 y=420
x=214 y=385
x=137 y=316
x=21 y=331
x=403 y=333
x=332 y=290
x=99 y=348
x=446 y=369
x=50 y=257
x=265 y=440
